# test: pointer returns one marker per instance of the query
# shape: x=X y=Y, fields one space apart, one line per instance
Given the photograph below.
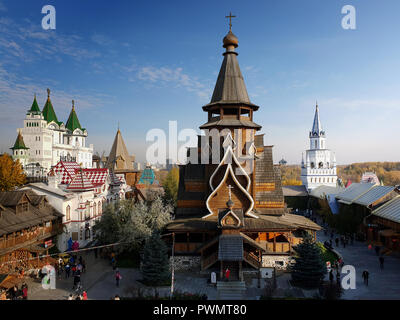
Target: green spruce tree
x=309 y=268
x=155 y=267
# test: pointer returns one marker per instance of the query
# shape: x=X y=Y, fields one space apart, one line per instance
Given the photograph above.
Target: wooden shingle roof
x=12 y=221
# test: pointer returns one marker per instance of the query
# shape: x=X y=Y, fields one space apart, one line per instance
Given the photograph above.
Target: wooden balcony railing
x=280 y=247
x=187 y=246
x=39 y=233
x=251 y=258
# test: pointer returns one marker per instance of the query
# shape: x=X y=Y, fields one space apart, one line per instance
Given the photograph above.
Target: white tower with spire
x=320 y=166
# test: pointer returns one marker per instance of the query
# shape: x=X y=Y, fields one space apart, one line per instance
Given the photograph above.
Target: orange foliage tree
x=11 y=173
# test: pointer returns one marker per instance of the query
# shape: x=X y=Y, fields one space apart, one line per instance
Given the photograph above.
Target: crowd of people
x=15 y=293
x=71 y=267
x=345 y=240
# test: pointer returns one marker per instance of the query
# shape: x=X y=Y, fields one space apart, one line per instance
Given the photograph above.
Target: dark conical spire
x=35 y=107
x=73 y=121
x=48 y=110
x=230 y=86
x=19 y=142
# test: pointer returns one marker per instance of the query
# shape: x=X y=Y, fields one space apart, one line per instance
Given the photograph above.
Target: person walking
x=83 y=266
x=381 y=261
x=25 y=291
x=67 y=271
x=331 y=276
x=84 y=295
x=14 y=293
x=365 y=276
x=338 y=278
x=227 y=274
x=71 y=297
x=77 y=280
x=118 y=277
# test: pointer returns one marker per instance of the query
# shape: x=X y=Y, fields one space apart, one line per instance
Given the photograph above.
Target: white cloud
x=28 y=41
x=173 y=77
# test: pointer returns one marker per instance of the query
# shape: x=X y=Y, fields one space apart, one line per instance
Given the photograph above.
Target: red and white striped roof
x=65 y=170
x=80 y=182
x=97 y=176
x=114 y=179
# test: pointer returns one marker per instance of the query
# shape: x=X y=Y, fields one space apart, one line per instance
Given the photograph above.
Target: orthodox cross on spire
x=48 y=93
x=73 y=104
x=230 y=192
x=230 y=20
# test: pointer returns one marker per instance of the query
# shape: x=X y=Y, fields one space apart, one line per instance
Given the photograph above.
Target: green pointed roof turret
x=19 y=143
x=48 y=111
x=35 y=107
x=73 y=122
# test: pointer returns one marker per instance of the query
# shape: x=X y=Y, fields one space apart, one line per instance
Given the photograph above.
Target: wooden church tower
x=231 y=211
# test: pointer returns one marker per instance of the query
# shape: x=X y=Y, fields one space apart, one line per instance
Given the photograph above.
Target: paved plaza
x=99 y=281
x=383 y=284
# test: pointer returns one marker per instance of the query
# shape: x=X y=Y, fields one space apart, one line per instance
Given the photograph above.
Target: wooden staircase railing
x=252 y=259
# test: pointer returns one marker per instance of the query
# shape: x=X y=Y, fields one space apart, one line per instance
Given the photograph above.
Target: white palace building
x=44 y=141
x=320 y=166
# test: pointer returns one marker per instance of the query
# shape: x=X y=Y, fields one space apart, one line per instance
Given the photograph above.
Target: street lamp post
x=172 y=265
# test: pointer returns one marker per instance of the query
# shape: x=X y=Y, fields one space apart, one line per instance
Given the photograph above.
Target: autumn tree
x=11 y=173
x=170 y=185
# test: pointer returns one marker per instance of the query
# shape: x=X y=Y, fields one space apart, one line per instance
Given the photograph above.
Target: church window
x=87 y=233
x=99 y=207
x=315 y=143
x=94 y=210
x=320 y=165
x=312 y=165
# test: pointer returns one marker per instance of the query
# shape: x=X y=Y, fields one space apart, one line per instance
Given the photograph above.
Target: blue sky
x=142 y=63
